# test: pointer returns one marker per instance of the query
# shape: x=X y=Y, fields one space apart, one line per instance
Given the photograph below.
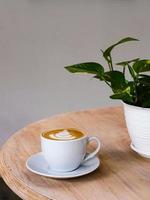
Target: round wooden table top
x=122 y=175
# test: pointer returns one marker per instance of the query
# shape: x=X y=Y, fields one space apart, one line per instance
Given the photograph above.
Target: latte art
x=63 y=134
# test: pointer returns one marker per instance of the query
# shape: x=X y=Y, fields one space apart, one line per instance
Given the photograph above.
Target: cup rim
x=72 y=140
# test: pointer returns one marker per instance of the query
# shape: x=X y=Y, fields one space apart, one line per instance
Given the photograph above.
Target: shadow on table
x=6 y=193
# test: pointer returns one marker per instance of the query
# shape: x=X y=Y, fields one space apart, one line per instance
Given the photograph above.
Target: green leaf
x=146 y=102
x=99 y=77
x=135 y=92
x=124 y=95
x=89 y=67
x=127 y=62
x=143 y=95
x=132 y=72
x=116 y=78
x=144 y=80
x=132 y=86
x=107 y=52
x=141 y=66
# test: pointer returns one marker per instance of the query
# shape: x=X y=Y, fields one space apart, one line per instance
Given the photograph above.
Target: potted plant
x=133 y=91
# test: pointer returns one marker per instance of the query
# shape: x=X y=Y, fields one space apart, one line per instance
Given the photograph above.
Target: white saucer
x=143 y=154
x=37 y=164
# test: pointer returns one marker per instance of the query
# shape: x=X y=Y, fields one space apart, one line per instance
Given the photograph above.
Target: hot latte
x=63 y=134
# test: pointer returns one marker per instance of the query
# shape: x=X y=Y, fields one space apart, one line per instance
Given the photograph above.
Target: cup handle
x=91 y=155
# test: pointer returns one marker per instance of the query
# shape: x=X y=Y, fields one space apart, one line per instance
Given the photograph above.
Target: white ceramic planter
x=138 y=124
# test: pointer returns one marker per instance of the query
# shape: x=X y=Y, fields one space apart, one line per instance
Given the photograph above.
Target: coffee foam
x=63 y=135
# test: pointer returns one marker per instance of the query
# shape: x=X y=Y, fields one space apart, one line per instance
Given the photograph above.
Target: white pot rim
x=135 y=107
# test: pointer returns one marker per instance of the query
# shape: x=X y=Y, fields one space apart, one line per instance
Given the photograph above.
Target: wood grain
x=122 y=175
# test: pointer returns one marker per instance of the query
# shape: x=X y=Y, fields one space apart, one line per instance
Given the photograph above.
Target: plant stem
x=124 y=70
x=107 y=83
x=109 y=61
x=135 y=81
x=135 y=85
x=111 y=64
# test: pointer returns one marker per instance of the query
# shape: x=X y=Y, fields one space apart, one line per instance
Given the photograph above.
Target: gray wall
x=39 y=37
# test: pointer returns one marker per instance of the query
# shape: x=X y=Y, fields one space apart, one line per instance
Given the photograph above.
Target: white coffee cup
x=67 y=155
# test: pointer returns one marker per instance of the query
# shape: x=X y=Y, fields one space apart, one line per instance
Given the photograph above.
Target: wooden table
x=123 y=175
